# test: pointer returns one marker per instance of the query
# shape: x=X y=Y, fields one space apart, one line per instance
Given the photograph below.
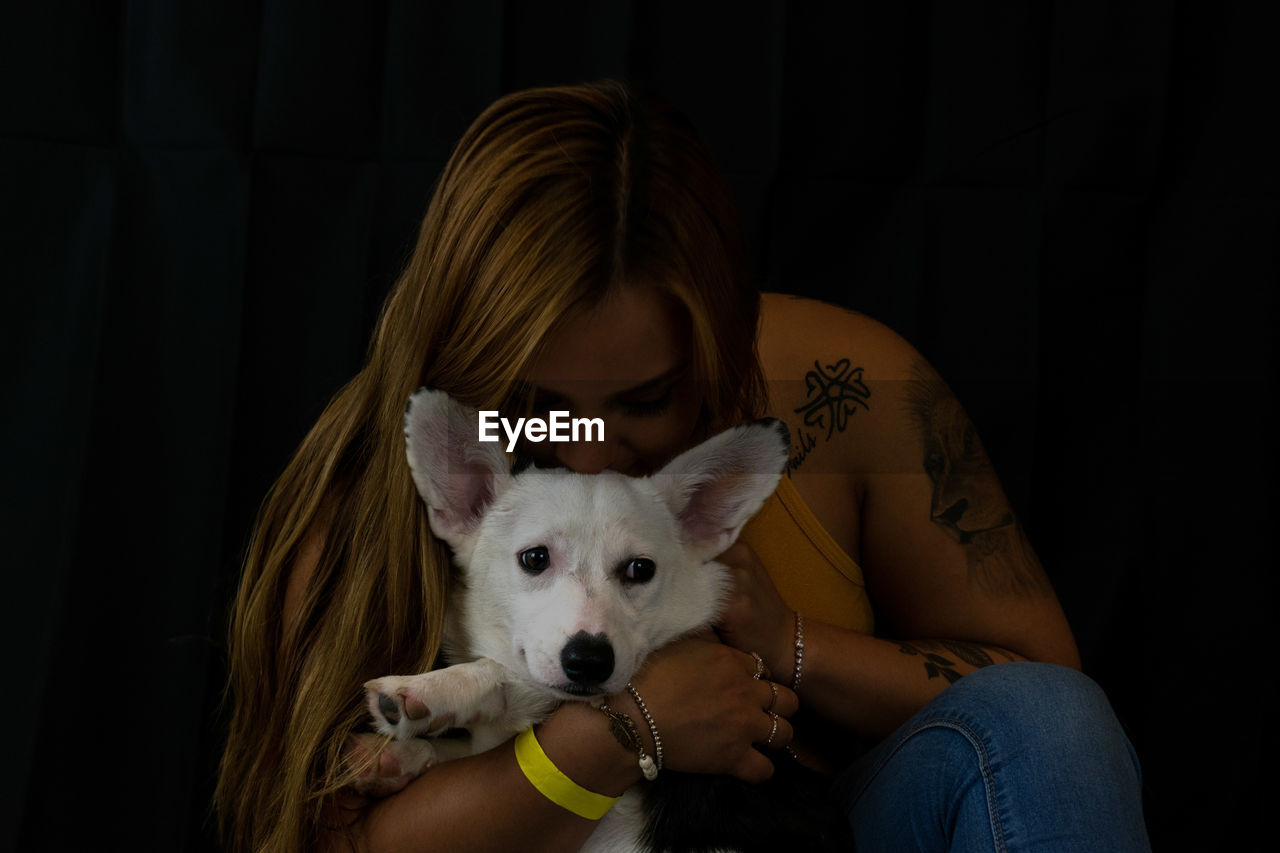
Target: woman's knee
x=1032 y=688
x=1021 y=751
x=1040 y=707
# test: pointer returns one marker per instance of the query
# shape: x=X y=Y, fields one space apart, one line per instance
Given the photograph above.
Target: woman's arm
x=708 y=708
x=868 y=684
x=484 y=802
x=475 y=803
x=709 y=712
x=943 y=556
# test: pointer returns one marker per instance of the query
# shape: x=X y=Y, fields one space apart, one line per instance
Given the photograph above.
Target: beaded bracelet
x=795 y=679
x=653 y=730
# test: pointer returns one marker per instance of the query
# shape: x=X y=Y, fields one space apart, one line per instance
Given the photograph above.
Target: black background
x=1070 y=208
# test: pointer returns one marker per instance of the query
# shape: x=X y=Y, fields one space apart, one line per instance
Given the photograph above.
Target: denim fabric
x=1016 y=756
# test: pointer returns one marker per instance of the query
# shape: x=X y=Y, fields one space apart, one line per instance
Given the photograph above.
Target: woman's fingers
x=715 y=716
x=778 y=698
x=776 y=732
x=756 y=765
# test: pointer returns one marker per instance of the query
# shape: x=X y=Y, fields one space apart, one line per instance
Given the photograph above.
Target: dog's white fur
x=507 y=627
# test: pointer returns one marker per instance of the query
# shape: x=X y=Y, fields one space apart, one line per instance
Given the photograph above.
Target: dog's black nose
x=587 y=658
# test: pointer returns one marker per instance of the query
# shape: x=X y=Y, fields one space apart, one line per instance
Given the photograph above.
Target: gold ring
x=761 y=669
x=769 y=740
x=773 y=700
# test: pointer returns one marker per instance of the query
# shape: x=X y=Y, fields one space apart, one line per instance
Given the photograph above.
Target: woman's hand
x=756 y=618
x=710 y=709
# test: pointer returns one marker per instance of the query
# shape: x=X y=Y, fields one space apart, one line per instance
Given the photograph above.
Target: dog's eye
x=638 y=570
x=535 y=560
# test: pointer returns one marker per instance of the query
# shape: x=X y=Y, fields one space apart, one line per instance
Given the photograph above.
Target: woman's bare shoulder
x=831 y=373
x=842 y=381
x=796 y=330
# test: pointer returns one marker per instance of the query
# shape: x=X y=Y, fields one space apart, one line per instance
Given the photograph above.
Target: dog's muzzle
x=587 y=661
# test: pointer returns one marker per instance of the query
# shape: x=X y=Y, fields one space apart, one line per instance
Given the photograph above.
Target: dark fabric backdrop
x=1069 y=207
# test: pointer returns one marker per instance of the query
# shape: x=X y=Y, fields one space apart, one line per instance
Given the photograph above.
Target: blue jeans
x=1016 y=756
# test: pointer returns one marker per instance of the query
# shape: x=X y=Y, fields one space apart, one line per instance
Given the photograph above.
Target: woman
x=580 y=252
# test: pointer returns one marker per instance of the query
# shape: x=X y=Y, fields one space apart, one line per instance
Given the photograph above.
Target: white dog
x=568 y=581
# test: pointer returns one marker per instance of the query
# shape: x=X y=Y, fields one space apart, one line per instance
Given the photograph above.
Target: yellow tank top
x=813 y=573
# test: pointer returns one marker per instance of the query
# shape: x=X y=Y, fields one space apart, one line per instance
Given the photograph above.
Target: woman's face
x=627 y=361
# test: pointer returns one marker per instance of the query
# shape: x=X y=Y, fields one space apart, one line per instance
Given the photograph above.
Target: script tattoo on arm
x=833 y=393
x=937 y=665
x=967 y=501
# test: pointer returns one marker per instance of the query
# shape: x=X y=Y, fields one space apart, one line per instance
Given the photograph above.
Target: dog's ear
x=714 y=489
x=457 y=475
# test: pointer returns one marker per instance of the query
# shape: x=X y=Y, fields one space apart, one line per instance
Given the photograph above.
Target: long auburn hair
x=552 y=197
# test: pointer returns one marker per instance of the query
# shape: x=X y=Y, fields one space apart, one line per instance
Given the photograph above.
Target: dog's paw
x=398 y=709
x=432 y=702
x=391 y=765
